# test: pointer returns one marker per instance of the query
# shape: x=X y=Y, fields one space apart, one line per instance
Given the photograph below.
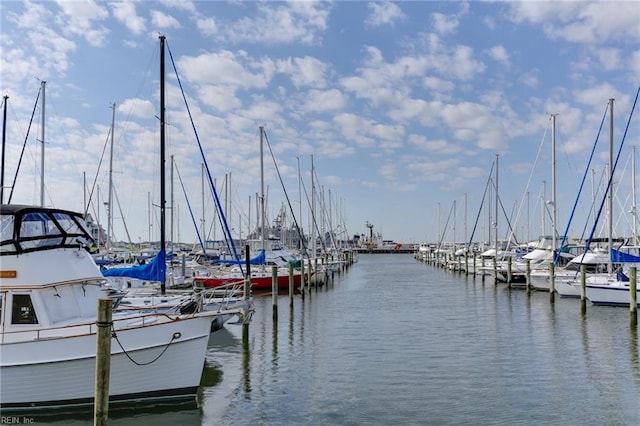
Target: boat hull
x=258 y=283
x=611 y=295
x=55 y=373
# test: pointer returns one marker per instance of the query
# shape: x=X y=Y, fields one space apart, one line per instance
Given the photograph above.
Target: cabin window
x=22 y=311
x=6 y=232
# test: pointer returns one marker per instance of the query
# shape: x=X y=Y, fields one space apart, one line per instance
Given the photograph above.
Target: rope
x=193 y=219
x=486 y=187
x=115 y=336
x=26 y=138
x=584 y=178
x=300 y=235
x=204 y=161
x=613 y=169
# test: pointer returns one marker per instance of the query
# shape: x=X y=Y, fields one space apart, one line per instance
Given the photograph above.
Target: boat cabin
x=47 y=276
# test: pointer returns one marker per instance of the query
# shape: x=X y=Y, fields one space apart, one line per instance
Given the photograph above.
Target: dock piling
x=103 y=362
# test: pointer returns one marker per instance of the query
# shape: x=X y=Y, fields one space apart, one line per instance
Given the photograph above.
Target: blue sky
x=403 y=106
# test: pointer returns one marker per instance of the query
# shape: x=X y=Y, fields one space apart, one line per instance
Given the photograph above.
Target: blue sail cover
x=155 y=270
x=258 y=259
x=622 y=257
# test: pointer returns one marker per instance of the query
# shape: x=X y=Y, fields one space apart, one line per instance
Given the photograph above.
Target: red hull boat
x=259 y=280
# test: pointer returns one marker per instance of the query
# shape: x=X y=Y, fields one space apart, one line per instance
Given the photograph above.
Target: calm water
x=397 y=342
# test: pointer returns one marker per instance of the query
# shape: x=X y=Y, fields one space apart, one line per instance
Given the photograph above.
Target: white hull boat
x=49 y=292
x=610 y=290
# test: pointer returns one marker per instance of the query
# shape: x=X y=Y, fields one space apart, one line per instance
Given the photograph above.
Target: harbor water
x=394 y=341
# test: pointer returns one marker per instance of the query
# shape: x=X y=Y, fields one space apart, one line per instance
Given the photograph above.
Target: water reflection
x=274 y=346
x=124 y=414
x=633 y=351
x=246 y=360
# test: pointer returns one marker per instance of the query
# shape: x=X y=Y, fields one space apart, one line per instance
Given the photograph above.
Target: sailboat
x=271 y=253
x=49 y=294
x=613 y=288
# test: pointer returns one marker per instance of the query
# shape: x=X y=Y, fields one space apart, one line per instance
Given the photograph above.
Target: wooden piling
x=291 y=284
x=527 y=276
x=583 y=288
x=103 y=362
x=495 y=269
x=302 y=278
x=633 y=296
x=474 y=265
x=274 y=291
x=552 y=282
x=247 y=276
x=509 y=276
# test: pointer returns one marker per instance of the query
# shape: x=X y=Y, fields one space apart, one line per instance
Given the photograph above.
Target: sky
x=403 y=108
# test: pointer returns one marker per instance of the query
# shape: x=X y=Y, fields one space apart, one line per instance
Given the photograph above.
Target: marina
x=392 y=340
x=158 y=270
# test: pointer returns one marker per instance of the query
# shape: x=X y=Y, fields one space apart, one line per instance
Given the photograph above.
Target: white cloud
x=163 y=21
x=299 y=22
x=80 y=19
x=221 y=97
x=499 y=54
x=136 y=107
x=125 y=12
x=226 y=67
x=582 y=22
x=325 y=100
x=51 y=48
x=383 y=13
x=444 y=24
x=207 y=26
x=306 y=71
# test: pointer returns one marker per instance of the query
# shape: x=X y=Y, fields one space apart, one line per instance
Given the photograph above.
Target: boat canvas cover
x=154 y=270
x=258 y=259
x=618 y=256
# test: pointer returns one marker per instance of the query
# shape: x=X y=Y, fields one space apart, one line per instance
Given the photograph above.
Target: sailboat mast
x=497 y=202
x=313 y=210
x=162 y=154
x=110 y=196
x=43 y=84
x=610 y=194
x=4 y=133
x=301 y=245
x=262 y=214
x=553 y=187
x=171 y=220
x=633 y=195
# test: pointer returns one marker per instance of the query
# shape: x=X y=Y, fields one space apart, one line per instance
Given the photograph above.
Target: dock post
x=291 y=284
x=495 y=269
x=552 y=282
x=247 y=277
x=474 y=264
x=274 y=291
x=482 y=271
x=302 y=277
x=583 y=288
x=528 y=276
x=633 y=296
x=466 y=263
x=183 y=269
x=103 y=362
x=509 y=276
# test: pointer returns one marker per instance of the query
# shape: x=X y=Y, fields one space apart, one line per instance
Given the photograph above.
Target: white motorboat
x=49 y=291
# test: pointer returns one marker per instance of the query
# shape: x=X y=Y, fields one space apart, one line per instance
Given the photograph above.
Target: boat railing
x=84 y=328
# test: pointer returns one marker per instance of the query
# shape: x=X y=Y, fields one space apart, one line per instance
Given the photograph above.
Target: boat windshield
x=41 y=229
